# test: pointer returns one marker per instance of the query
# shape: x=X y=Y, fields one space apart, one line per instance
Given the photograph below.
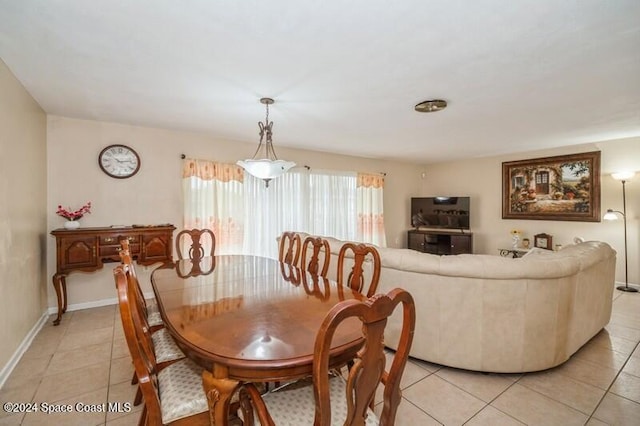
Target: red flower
x=74 y=215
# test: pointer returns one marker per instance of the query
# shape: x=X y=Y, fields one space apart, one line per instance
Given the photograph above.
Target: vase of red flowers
x=73 y=216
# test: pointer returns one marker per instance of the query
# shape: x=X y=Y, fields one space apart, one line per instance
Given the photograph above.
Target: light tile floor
x=85 y=360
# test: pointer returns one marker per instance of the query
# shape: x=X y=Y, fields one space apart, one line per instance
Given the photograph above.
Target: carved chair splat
x=355 y=279
x=196 y=249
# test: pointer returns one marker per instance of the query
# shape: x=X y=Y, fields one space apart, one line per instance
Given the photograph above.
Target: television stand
x=441 y=242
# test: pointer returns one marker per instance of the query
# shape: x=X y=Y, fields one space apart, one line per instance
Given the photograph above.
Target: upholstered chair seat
x=165 y=347
x=295 y=405
x=181 y=392
x=153 y=315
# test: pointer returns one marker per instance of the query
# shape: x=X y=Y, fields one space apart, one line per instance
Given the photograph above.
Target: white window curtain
x=317 y=202
x=370 y=209
x=214 y=199
x=247 y=218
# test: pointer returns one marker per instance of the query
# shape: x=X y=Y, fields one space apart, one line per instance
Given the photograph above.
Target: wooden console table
x=86 y=249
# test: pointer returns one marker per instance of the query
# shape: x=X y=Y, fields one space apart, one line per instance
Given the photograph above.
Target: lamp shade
x=266 y=169
x=623 y=175
x=610 y=215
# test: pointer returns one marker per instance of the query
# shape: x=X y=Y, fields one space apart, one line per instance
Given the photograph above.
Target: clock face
x=542 y=242
x=119 y=161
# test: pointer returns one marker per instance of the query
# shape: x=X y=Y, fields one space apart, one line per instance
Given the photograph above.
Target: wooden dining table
x=250 y=319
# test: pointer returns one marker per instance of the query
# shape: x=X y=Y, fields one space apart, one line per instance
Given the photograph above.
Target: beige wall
x=481 y=179
x=22 y=213
x=154 y=195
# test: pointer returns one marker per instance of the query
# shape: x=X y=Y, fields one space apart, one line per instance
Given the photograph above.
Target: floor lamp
x=612 y=215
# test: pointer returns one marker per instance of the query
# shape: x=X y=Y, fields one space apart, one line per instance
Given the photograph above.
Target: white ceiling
x=518 y=75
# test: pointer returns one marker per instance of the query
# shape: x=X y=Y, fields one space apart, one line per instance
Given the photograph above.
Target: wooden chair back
x=125 y=256
x=319 y=247
x=140 y=347
x=127 y=260
x=355 y=279
x=369 y=368
x=290 y=248
x=196 y=249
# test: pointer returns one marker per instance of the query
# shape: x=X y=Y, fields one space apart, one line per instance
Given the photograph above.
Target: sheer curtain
x=317 y=202
x=370 y=209
x=247 y=218
x=214 y=199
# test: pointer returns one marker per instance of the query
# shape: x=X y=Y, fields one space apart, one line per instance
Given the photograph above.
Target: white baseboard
x=85 y=305
x=26 y=342
x=28 y=339
x=93 y=304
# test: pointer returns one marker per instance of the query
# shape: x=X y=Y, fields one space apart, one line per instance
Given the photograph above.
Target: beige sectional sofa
x=498 y=314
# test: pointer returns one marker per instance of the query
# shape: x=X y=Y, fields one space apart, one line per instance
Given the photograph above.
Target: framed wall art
x=565 y=187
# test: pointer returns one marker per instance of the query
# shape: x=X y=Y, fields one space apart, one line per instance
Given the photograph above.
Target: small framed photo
x=543 y=241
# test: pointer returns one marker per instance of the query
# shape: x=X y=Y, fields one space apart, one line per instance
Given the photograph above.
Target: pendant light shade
x=265 y=164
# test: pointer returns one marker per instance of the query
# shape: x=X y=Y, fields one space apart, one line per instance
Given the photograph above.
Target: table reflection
x=257 y=308
x=194 y=267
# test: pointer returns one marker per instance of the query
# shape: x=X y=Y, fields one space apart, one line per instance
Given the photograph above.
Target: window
x=247 y=217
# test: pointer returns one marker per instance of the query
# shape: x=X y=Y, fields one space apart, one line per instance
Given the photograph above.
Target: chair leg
x=143 y=417
x=138 y=399
x=134 y=379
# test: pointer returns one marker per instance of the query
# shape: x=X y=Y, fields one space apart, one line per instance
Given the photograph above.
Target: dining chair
x=149 y=306
x=337 y=400
x=356 y=279
x=196 y=249
x=289 y=248
x=172 y=390
x=156 y=340
x=172 y=395
x=319 y=247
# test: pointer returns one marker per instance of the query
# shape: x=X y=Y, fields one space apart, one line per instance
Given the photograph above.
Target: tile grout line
x=113 y=338
x=488 y=404
x=415 y=405
x=612 y=383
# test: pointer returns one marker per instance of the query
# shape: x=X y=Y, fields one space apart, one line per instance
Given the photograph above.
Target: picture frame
x=564 y=187
x=543 y=241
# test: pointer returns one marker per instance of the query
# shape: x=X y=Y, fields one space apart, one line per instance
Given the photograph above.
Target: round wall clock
x=119 y=161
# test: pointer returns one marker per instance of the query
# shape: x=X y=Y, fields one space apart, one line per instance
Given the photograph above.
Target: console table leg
x=64 y=293
x=59 y=283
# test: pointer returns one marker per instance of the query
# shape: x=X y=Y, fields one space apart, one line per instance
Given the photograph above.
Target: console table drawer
x=114 y=251
x=115 y=239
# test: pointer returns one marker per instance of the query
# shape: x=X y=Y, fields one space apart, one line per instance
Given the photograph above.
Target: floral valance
x=366 y=180
x=209 y=170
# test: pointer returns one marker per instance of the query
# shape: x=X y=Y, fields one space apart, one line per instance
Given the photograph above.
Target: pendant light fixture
x=265 y=164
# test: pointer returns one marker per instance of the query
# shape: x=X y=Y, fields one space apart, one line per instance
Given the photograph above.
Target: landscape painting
x=565 y=187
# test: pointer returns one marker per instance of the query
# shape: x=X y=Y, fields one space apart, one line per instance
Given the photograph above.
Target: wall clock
x=119 y=161
x=543 y=241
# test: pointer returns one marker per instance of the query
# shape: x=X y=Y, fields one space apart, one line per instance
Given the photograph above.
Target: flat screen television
x=440 y=212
